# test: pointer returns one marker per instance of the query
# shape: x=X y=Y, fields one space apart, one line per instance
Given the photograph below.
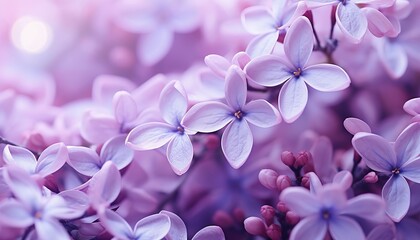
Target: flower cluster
x=240 y=119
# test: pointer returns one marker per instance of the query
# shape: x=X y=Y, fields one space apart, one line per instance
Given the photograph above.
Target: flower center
x=344 y=2
x=298 y=72
x=396 y=171
x=326 y=215
x=238 y=114
x=180 y=130
x=38 y=215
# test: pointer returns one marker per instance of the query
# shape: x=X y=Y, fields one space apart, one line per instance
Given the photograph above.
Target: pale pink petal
x=84 y=160
x=20 y=157
x=407 y=145
x=210 y=232
x=237 y=143
x=292 y=99
x=300 y=201
x=136 y=16
x=412 y=106
x=326 y=77
x=208 y=117
x=105 y=185
x=394 y=58
x=150 y=136
x=116 y=225
x=22 y=185
x=52 y=159
x=153 y=227
x=241 y=59
x=217 y=64
x=344 y=179
x=77 y=200
x=180 y=153
x=261 y=113
x=262 y=44
x=178 y=229
x=345 y=228
x=396 y=194
x=173 y=103
x=46 y=228
x=355 y=125
x=268 y=70
x=315 y=184
x=235 y=88
x=378 y=24
x=352 y=21
x=15 y=214
x=56 y=207
x=322 y=155
x=368 y=206
x=411 y=170
x=375 y=151
x=116 y=151
x=299 y=42
x=125 y=107
x=97 y=128
x=258 y=20
x=382 y=232
x=105 y=86
x=310 y=228
x=154 y=46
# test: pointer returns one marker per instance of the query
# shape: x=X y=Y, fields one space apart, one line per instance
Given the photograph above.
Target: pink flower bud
x=268 y=178
x=292 y=218
x=287 y=158
x=239 y=214
x=306 y=182
x=371 y=177
x=302 y=159
x=213 y=141
x=282 y=207
x=283 y=182
x=223 y=219
x=268 y=213
x=274 y=232
x=255 y=226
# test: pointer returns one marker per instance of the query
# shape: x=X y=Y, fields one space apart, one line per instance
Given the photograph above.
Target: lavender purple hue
x=210 y=120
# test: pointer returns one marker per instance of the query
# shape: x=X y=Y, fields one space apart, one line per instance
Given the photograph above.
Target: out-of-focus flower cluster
x=239 y=119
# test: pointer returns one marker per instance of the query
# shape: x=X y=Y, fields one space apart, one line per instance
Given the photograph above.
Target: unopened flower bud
x=287 y=158
x=223 y=219
x=281 y=206
x=283 y=182
x=302 y=159
x=371 y=177
x=212 y=142
x=239 y=214
x=268 y=178
x=255 y=226
x=292 y=218
x=274 y=231
x=306 y=182
x=268 y=213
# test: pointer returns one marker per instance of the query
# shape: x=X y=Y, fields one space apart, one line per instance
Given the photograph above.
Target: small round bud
x=302 y=159
x=268 y=213
x=255 y=226
x=306 y=182
x=212 y=141
x=239 y=214
x=283 y=182
x=223 y=219
x=282 y=207
x=268 y=178
x=287 y=158
x=274 y=232
x=292 y=218
x=371 y=177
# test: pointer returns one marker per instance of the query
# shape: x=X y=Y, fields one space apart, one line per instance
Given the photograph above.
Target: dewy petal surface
x=351 y=21
x=150 y=136
x=292 y=99
x=299 y=42
x=310 y=228
x=235 y=88
x=269 y=70
x=261 y=113
x=326 y=77
x=396 y=194
x=345 y=228
x=237 y=142
x=208 y=117
x=180 y=153
x=173 y=103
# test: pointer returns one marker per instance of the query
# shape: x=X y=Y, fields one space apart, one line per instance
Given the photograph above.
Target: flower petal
x=217 y=64
x=150 y=136
x=173 y=103
x=84 y=160
x=57 y=207
x=210 y=232
x=20 y=157
x=300 y=201
x=262 y=44
x=116 y=151
x=407 y=145
x=97 y=128
x=310 y=228
x=268 y=70
x=13 y=213
x=154 y=45
x=411 y=170
x=368 y=206
x=299 y=42
x=180 y=153
x=22 y=186
x=355 y=125
x=326 y=77
x=237 y=143
x=52 y=159
x=235 y=88
x=261 y=113
x=125 y=107
x=258 y=20
x=396 y=194
x=375 y=151
x=207 y=117
x=351 y=21
x=292 y=99
x=153 y=227
x=378 y=24
x=115 y=224
x=345 y=228
x=412 y=106
x=46 y=228
x=178 y=229
x=394 y=58
x=105 y=185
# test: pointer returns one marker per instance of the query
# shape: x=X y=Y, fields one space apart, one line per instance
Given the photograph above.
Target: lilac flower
x=237 y=139
x=400 y=160
x=173 y=105
x=412 y=107
x=273 y=70
x=267 y=24
x=153 y=227
x=330 y=211
x=32 y=208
